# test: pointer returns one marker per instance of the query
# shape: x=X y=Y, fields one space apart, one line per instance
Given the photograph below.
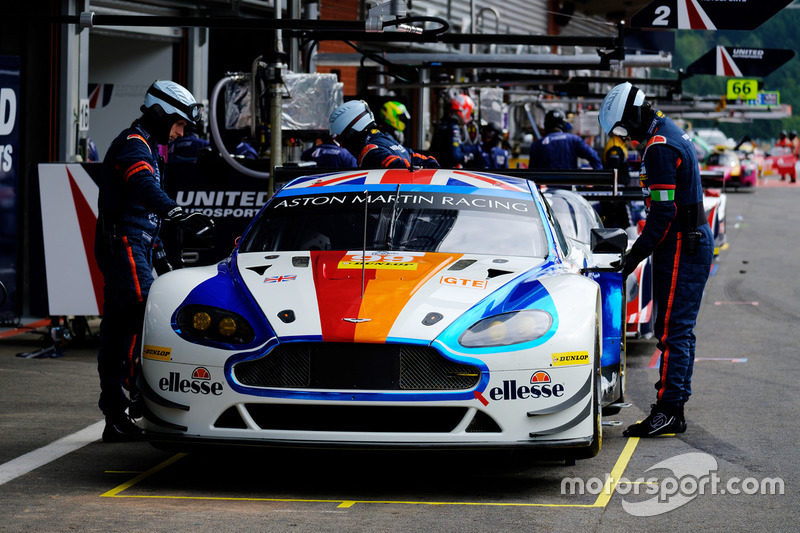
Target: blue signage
x=9 y=179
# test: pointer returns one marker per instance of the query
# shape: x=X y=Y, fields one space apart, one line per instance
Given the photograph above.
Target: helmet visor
x=620 y=131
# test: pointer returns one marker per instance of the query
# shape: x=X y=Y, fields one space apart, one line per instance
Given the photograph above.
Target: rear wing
x=602 y=183
x=712 y=178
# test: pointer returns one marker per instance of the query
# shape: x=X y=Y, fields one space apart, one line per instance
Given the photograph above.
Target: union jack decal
x=278 y=279
x=418 y=177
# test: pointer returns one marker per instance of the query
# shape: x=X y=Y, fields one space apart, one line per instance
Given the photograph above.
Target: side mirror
x=608 y=247
x=609 y=240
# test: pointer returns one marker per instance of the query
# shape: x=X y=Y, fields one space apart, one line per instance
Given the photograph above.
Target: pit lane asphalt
x=743 y=424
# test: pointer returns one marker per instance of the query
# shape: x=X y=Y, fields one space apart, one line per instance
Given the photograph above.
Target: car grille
x=354 y=366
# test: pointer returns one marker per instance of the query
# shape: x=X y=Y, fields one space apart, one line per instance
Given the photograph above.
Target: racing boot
x=682 y=419
x=663 y=418
x=120 y=428
x=135 y=405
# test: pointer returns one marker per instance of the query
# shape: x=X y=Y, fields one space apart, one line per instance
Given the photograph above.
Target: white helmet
x=173 y=99
x=354 y=115
x=616 y=109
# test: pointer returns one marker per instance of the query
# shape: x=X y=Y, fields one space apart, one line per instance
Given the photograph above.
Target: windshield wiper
x=390 y=232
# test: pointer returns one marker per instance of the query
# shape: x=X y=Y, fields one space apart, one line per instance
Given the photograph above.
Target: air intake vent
x=354 y=366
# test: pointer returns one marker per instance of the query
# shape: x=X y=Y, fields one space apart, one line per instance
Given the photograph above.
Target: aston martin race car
x=392 y=308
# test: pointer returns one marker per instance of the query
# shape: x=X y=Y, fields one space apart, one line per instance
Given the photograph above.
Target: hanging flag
x=707 y=14
x=739 y=61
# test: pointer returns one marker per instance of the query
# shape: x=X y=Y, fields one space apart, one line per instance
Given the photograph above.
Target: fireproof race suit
x=381 y=150
x=676 y=232
x=447 y=143
x=131 y=204
x=329 y=156
x=561 y=151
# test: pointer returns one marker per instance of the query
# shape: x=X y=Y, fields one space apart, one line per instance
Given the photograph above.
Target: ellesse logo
x=199 y=384
x=541 y=387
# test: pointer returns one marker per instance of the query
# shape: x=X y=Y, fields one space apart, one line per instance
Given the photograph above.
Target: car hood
x=337 y=297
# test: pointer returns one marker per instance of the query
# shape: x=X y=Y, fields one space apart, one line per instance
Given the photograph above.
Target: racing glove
x=631 y=261
x=194 y=223
x=160 y=262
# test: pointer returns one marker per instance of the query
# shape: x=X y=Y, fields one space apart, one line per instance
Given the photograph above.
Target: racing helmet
x=393 y=114
x=173 y=101
x=349 y=117
x=463 y=106
x=491 y=132
x=473 y=133
x=555 y=118
x=616 y=142
x=621 y=110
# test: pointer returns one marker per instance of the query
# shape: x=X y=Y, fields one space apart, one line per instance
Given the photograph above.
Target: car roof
x=440 y=177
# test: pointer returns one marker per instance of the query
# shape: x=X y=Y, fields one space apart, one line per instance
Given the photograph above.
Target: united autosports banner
x=67 y=200
x=9 y=177
x=738 y=61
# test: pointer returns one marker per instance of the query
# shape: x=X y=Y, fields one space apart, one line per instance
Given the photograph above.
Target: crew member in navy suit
x=676 y=232
x=328 y=154
x=352 y=124
x=131 y=206
x=559 y=149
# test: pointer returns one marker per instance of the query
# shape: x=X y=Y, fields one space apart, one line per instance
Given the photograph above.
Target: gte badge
x=463 y=282
x=570 y=358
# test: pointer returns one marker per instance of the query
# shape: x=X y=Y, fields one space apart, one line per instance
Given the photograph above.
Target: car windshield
x=780 y=150
x=722 y=159
x=713 y=137
x=576 y=219
x=413 y=221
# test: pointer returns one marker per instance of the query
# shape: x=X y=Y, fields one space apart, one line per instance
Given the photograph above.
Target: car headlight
x=506 y=329
x=214 y=324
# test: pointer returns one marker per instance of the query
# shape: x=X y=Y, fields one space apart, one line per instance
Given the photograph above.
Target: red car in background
x=781 y=161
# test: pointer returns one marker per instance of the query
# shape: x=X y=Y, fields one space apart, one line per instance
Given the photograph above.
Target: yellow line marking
x=115 y=491
x=123 y=471
x=616 y=473
x=602 y=499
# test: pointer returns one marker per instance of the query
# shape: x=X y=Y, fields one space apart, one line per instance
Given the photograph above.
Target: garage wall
x=120 y=71
x=516 y=16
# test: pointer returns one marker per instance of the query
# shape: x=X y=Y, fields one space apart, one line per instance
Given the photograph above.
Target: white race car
x=392 y=308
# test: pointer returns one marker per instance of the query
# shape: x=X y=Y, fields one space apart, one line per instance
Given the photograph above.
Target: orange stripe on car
x=390 y=290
